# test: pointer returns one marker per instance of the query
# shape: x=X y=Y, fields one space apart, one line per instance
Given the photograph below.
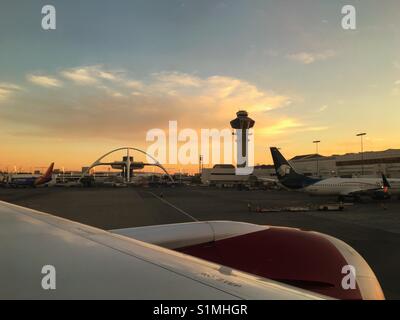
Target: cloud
x=7 y=90
x=44 y=81
x=396 y=88
x=323 y=108
x=289 y=125
x=309 y=58
x=89 y=75
x=4 y=94
x=111 y=92
x=126 y=107
x=178 y=79
x=9 y=86
x=281 y=126
x=217 y=93
x=220 y=92
x=134 y=84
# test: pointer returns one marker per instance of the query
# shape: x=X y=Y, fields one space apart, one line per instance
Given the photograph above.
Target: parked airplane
x=198 y=260
x=31 y=180
x=341 y=187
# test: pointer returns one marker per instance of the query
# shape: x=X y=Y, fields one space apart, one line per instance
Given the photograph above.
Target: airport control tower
x=242 y=124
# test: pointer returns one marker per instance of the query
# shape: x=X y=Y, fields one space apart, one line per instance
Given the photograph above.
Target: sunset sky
x=112 y=70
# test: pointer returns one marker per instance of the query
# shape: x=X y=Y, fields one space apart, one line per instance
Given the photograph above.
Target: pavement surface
x=371 y=227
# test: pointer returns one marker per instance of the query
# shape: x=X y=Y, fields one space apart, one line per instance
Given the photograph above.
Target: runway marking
x=175 y=207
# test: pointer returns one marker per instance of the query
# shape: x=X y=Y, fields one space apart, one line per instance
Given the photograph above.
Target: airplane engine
x=304 y=259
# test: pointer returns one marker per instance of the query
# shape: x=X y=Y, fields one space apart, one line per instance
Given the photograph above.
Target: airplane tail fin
x=386 y=183
x=45 y=178
x=286 y=174
x=49 y=171
x=282 y=166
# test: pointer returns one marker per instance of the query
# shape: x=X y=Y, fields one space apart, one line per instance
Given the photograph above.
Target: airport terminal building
x=369 y=164
x=224 y=174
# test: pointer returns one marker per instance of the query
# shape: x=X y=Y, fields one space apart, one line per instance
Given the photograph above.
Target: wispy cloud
x=289 y=125
x=323 y=108
x=124 y=106
x=4 y=94
x=178 y=79
x=215 y=91
x=310 y=57
x=281 y=126
x=9 y=86
x=134 y=84
x=7 y=90
x=220 y=92
x=88 y=75
x=396 y=88
x=44 y=81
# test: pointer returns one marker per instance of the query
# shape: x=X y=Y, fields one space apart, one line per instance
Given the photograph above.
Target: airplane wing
x=95 y=264
x=380 y=191
x=266 y=179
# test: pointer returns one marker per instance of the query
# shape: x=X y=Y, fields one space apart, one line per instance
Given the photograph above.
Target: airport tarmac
x=371 y=227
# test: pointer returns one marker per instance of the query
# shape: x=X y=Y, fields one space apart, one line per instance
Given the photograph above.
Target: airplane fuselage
x=378 y=188
x=342 y=186
x=29 y=181
x=348 y=186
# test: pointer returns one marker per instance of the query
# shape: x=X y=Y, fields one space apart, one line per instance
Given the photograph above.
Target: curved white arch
x=97 y=162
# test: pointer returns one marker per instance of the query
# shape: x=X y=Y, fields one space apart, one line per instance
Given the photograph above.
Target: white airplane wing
x=95 y=264
x=371 y=192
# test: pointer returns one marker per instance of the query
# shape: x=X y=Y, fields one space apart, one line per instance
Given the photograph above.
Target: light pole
x=200 y=164
x=316 y=149
x=361 y=135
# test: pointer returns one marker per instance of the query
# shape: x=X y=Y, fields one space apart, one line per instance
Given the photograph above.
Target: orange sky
x=93 y=85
